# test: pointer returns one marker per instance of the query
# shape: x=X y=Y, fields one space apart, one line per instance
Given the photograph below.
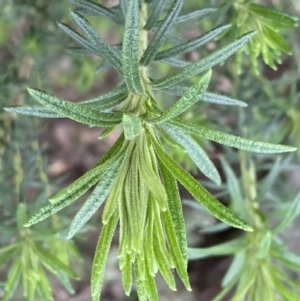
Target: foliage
x=137 y=177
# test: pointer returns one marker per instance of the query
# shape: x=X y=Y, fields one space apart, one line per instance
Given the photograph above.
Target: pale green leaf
x=175 y=207
x=264 y=246
x=195 y=14
x=36 y=111
x=234 y=269
x=174 y=62
x=204 y=64
x=101 y=46
x=216 y=208
x=161 y=33
x=288 y=218
x=101 y=254
x=196 y=153
x=132 y=125
x=80 y=51
x=95 y=200
x=13 y=279
x=231 y=140
x=78 y=38
x=64 y=280
x=226 y=248
x=127 y=275
x=191 y=45
x=75 y=111
x=190 y=97
x=91 y=8
x=130 y=51
x=105 y=104
x=5 y=256
x=54 y=262
x=156 y=13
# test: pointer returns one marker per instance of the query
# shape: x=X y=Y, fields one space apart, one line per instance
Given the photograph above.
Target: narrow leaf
x=288 y=218
x=101 y=254
x=132 y=126
x=107 y=104
x=94 y=201
x=13 y=279
x=195 y=14
x=130 y=52
x=196 y=153
x=231 y=140
x=190 y=97
x=156 y=13
x=94 y=9
x=54 y=262
x=161 y=33
x=226 y=248
x=191 y=45
x=216 y=208
x=75 y=111
x=105 y=50
x=206 y=63
x=234 y=269
x=36 y=111
x=174 y=62
x=175 y=208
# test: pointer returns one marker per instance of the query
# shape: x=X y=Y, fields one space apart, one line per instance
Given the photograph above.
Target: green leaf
x=231 y=140
x=216 y=208
x=127 y=275
x=101 y=46
x=105 y=104
x=226 y=248
x=130 y=50
x=161 y=33
x=175 y=62
x=195 y=14
x=196 y=153
x=264 y=246
x=191 y=45
x=64 y=280
x=54 y=262
x=95 y=200
x=234 y=269
x=78 y=38
x=94 y=9
x=101 y=254
x=237 y=199
x=5 y=256
x=132 y=126
x=13 y=279
x=190 y=97
x=206 y=63
x=80 y=186
x=80 y=51
x=21 y=216
x=156 y=13
x=175 y=207
x=281 y=19
x=288 y=218
x=36 y=111
x=207 y=96
x=75 y=111
x=106 y=132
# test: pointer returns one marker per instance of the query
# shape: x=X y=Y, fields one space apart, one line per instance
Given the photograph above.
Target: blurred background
x=40 y=156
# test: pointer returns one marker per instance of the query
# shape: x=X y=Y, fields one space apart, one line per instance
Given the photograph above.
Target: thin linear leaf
x=207 y=96
x=191 y=45
x=156 y=13
x=175 y=207
x=105 y=50
x=101 y=254
x=94 y=9
x=132 y=125
x=80 y=51
x=234 y=269
x=174 y=62
x=95 y=200
x=216 y=208
x=5 y=256
x=78 y=38
x=120 y=89
x=79 y=187
x=75 y=111
x=226 y=248
x=206 y=63
x=13 y=279
x=36 y=111
x=54 y=262
x=195 y=14
x=231 y=140
x=161 y=33
x=280 y=18
x=107 y=104
x=288 y=218
x=196 y=153
x=130 y=51
x=64 y=280
x=190 y=97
